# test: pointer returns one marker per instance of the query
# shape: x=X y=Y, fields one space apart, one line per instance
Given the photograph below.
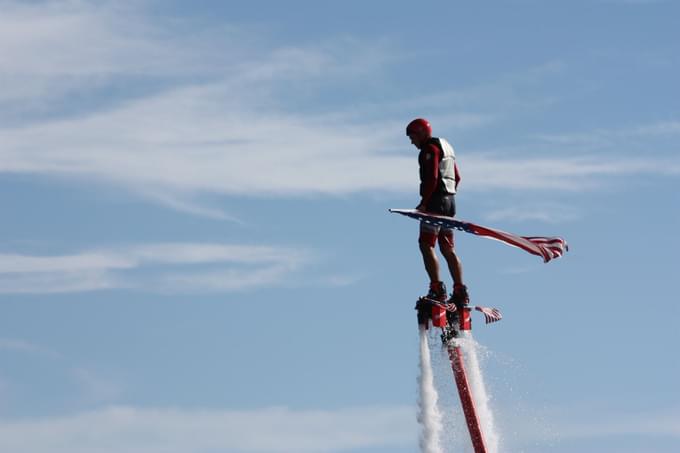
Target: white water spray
x=481 y=398
x=428 y=413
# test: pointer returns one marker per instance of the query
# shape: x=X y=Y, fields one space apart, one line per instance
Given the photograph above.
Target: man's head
x=419 y=131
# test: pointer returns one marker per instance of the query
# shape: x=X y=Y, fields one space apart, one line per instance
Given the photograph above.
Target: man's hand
x=421 y=207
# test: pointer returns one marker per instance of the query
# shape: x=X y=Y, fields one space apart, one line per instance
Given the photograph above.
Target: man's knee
x=446 y=243
x=427 y=240
x=448 y=252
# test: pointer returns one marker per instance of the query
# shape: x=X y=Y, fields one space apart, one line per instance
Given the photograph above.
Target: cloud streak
x=603 y=138
x=151 y=146
x=271 y=430
x=175 y=267
x=487 y=171
x=563 y=423
x=26 y=347
x=552 y=213
x=279 y=429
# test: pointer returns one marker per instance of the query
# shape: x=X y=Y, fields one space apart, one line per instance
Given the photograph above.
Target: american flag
x=490 y=314
x=545 y=247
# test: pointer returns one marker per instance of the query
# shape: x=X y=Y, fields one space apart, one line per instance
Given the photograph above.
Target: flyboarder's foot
x=460 y=299
x=459 y=296
x=437 y=292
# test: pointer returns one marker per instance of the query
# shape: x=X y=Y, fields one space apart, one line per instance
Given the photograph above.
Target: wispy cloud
x=213 y=114
x=270 y=430
x=662 y=128
x=53 y=48
x=154 y=267
x=604 y=138
x=591 y=422
x=544 y=212
x=505 y=94
x=194 y=151
x=22 y=346
x=220 y=129
x=186 y=202
x=644 y=424
x=95 y=388
x=91 y=387
x=183 y=141
x=170 y=430
x=489 y=171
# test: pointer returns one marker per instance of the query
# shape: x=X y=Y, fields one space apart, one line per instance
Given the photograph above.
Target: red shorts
x=429 y=234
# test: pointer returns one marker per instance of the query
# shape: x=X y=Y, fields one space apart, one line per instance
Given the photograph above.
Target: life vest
x=447 y=172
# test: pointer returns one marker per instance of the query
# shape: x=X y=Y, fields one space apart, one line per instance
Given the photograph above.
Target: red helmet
x=419 y=127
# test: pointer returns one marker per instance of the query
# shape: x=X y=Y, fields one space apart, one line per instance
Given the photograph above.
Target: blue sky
x=196 y=253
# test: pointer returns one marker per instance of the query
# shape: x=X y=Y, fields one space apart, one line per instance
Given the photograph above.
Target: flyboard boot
x=461 y=299
x=431 y=303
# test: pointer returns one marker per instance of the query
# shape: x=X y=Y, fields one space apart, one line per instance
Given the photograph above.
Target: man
x=439 y=178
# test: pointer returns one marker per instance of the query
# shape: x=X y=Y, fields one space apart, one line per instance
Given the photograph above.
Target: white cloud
x=16 y=345
x=183 y=202
x=221 y=126
x=662 y=128
x=644 y=424
x=278 y=429
x=181 y=143
x=545 y=212
x=61 y=281
x=578 y=422
x=11 y=263
x=52 y=48
x=184 y=141
x=95 y=388
x=220 y=131
x=131 y=430
x=619 y=137
x=487 y=171
x=203 y=267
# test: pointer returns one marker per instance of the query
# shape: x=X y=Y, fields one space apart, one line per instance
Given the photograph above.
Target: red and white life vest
x=447 y=173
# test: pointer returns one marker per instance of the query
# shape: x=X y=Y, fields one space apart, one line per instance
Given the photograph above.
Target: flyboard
x=456 y=318
x=453 y=319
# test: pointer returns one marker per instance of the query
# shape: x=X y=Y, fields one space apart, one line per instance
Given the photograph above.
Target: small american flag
x=490 y=314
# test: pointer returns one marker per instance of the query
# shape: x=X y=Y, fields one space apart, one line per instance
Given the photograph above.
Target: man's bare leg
x=430 y=260
x=455 y=266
